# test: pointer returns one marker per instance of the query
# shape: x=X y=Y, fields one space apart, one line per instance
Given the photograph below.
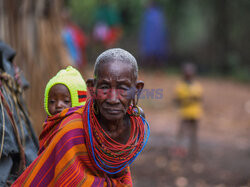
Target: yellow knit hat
x=72 y=79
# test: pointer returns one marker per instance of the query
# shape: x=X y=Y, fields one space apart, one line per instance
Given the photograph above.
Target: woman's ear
x=90 y=85
x=139 y=86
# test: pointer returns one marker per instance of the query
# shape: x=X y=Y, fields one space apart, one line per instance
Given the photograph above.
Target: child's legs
x=192 y=126
x=181 y=140
x=181 y=131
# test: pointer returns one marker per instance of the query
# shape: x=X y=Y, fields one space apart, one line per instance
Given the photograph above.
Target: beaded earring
x=136 y=110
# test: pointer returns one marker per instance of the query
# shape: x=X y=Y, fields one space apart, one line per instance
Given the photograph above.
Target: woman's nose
x=113 y=96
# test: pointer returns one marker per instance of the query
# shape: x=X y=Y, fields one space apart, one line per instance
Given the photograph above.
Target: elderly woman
x=95 y=144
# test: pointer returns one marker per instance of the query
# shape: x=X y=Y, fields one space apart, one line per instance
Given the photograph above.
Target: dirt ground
x=224 y=137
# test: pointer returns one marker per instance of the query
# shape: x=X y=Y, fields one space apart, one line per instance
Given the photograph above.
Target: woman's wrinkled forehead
x=116 y=70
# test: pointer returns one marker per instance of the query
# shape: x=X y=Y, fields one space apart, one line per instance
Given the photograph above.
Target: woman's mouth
x=112 y=111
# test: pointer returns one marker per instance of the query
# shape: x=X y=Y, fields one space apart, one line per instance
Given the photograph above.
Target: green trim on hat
x=72 y=79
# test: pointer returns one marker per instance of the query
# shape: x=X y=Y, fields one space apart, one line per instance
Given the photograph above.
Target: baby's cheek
x=51 y=109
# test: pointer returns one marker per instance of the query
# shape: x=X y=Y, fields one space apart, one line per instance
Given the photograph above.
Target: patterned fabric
x=63 y=158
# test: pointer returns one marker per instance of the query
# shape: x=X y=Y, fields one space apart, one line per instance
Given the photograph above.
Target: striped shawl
x=63 y=159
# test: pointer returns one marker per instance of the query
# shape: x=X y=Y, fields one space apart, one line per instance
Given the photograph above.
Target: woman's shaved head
x=116 y=55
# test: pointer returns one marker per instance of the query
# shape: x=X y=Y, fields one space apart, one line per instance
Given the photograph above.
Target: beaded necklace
x=109 y=155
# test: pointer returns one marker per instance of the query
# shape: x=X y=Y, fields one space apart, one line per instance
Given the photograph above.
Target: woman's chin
x=113 y=116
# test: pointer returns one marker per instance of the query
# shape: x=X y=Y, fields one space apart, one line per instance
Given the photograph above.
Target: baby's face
x=59 y=99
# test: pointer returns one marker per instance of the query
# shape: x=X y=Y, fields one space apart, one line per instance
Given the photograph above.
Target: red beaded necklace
x=110 y=155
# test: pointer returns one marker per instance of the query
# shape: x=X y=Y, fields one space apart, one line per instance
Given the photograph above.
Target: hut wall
x=33 y=29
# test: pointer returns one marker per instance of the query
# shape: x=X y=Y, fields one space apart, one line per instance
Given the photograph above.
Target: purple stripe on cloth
x=72 y=109
x=98 y=182
x=58 y=155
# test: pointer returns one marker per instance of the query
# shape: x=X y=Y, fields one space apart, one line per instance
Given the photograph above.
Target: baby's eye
x=52 y=101
x=67 y=101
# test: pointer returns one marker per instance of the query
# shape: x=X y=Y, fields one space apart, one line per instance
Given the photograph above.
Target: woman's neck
x=112 y=126
x=118 y=130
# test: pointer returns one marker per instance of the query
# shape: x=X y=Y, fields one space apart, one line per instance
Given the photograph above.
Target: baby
x=66 y=89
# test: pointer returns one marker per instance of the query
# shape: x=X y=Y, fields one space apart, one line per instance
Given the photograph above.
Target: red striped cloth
x=63 y=158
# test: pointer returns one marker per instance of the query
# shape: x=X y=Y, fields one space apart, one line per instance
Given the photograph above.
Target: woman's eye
x=124 y=88
x=104 y=87
x=67 y=101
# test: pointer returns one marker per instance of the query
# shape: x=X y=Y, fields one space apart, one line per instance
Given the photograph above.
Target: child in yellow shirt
x=188 y=96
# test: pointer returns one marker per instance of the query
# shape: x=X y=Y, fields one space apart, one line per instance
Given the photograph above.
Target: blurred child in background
x=188 y=97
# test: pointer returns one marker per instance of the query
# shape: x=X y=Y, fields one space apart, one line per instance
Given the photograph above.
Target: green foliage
x=241 y=74
x=82 y=11
x=193 y=27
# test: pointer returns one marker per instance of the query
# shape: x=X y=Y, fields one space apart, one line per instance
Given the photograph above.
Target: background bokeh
x=213 y=34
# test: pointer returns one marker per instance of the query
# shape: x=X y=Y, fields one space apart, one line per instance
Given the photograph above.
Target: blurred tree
x=82 y=12
x=221 y=35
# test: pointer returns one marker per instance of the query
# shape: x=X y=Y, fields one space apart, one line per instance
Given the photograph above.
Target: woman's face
x=115 y=88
